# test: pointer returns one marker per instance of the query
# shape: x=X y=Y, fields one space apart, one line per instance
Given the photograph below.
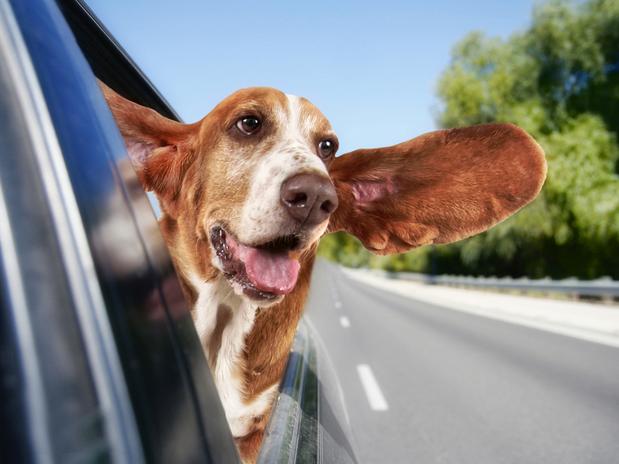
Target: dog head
x=251 y=187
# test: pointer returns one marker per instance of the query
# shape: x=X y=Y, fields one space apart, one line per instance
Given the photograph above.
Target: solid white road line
x=372 y=390
x=345 y=322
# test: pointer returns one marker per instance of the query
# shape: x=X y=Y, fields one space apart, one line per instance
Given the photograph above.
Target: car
x=99 y=358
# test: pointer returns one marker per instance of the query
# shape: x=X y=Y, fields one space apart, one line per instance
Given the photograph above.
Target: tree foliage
x=559 y=80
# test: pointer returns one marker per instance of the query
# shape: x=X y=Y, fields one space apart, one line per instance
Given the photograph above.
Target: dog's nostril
x=298 y=199
x=328 y=206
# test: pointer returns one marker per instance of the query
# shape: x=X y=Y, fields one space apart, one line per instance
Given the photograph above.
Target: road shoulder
x=586 y=321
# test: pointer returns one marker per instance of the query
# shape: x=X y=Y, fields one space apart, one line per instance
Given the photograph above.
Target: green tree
x=559 y=80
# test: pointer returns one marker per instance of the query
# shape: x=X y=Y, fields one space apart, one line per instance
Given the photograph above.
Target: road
x=452 y=387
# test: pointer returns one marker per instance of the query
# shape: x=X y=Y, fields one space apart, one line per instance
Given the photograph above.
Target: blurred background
x=558 y=78
x=385 y=72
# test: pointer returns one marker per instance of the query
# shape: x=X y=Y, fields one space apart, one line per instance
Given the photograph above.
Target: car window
x=179 y=417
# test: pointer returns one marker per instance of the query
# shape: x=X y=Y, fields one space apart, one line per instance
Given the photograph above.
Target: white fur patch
x=263 y=216
x=242 y=419
x=227 y=373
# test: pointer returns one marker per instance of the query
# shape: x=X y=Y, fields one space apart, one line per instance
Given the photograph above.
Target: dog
x=247 y=192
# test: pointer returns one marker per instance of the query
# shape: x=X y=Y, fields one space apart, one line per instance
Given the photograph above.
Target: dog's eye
x=248 y=124
x=326 y=148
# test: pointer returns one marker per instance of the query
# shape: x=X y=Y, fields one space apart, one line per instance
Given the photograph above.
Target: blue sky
x=371 y=67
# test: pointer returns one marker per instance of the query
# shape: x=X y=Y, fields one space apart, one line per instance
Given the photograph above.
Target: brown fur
x=249 y=445
x=440 y=187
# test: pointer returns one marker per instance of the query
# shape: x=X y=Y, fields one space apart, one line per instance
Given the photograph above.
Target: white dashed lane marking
x=345 y=322
x=372 y=390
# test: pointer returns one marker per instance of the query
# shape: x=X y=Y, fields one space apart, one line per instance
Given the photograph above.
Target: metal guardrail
x=604 y=287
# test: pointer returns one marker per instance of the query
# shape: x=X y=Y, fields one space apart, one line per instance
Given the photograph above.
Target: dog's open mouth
x=264 y=272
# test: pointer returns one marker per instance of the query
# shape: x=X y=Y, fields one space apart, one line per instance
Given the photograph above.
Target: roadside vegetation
x=559 y=80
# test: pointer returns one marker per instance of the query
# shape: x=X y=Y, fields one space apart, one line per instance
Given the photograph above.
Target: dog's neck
x=223 y=320
x=247 y=347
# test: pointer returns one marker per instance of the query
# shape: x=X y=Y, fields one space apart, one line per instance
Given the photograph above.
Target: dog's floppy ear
x=440 y=187
x=159 y=148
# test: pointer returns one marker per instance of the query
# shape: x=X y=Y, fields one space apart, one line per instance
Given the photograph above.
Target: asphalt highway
x=425 y=384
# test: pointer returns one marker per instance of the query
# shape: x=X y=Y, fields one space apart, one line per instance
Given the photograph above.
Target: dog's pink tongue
x=270 y=272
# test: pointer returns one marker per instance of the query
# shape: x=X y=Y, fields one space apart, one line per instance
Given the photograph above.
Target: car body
x=99 y=359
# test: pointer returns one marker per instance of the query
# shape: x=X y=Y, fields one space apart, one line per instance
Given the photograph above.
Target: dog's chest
x=223 y=320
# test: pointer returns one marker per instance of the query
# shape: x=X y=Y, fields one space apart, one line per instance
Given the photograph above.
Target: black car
x=99 y=359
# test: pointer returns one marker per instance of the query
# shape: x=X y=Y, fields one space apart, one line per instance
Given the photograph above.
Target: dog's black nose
x=309 y=198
